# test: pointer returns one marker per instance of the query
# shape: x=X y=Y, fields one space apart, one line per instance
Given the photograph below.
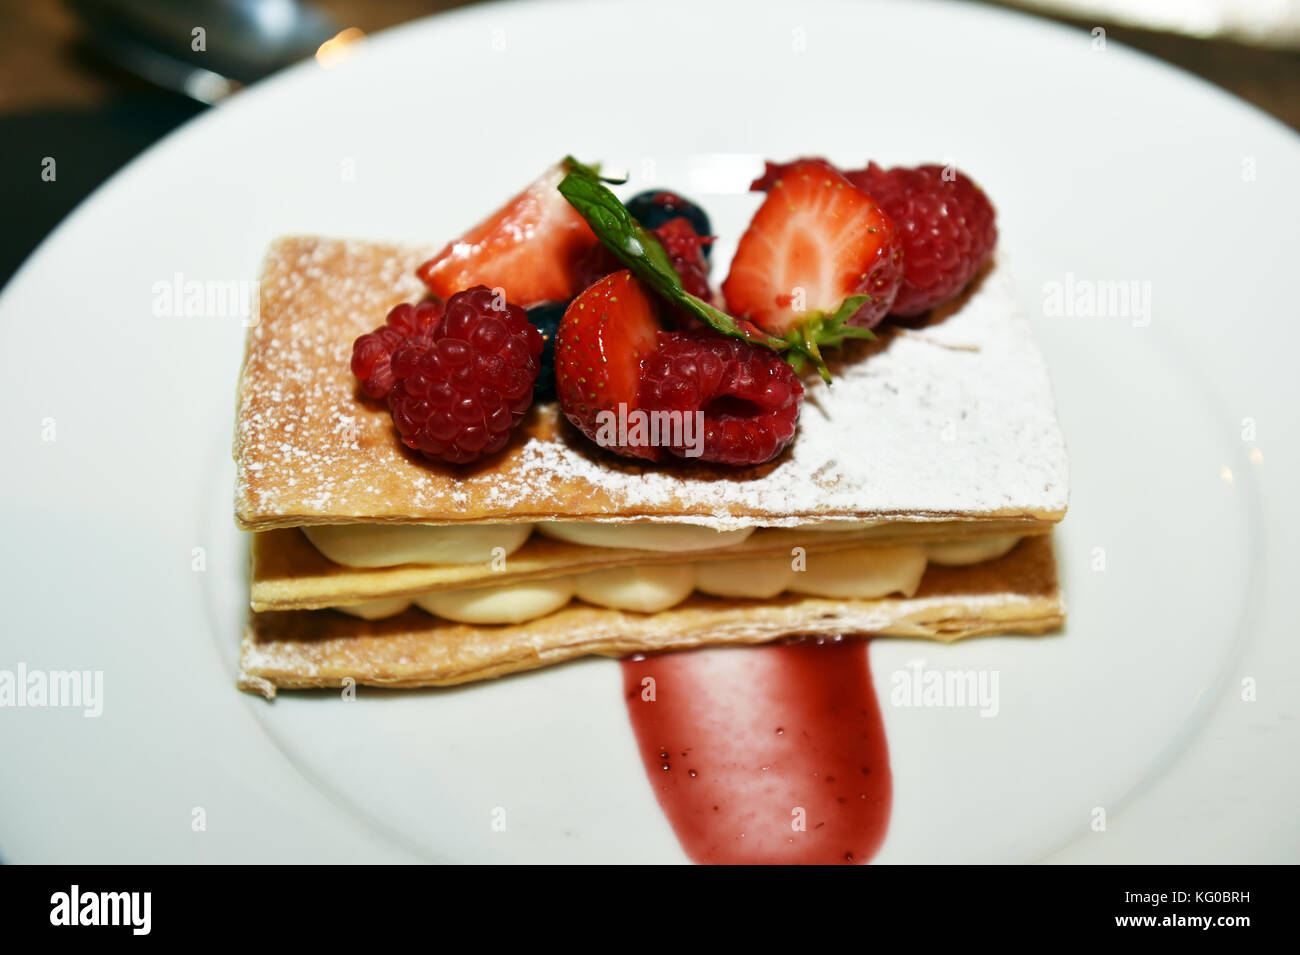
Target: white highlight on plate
x=721 y=173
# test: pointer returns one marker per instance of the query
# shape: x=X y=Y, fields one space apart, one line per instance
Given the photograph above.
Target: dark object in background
x=242 y=41
x=205 y=49
x=86 y=145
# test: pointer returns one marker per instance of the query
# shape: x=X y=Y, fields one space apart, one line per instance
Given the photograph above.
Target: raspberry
x=372 y=356
x=750 y=397
x=412 y=321
x=947 y=227
x=685 y=248
x=461 y=390
x=372 y=353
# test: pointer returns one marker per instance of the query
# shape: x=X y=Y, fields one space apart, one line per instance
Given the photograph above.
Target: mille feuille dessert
x=562 y=442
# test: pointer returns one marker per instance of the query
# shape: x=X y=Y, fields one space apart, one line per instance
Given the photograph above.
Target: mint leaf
x=640 y=251
x=570 y=163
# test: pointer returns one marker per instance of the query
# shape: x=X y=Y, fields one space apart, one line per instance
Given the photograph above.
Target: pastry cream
x=387 y=545
x=376 y=609
x=961 y=553
x=753 y=578
x=659 y=537
x=860 y=573
x=645 y=589
x=509 y=603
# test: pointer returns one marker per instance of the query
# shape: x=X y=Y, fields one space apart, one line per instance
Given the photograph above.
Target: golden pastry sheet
x=1017 y=593
x=952 y=422
x=288 y=573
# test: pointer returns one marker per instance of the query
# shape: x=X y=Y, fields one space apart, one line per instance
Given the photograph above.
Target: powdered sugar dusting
x=953 y=420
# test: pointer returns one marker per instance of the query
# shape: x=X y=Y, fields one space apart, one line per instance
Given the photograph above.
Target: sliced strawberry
x=531 y=247
x=815 y=241
x=605 y=335
x=772 y=171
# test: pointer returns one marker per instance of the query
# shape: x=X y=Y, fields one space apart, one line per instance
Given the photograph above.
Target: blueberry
x=652 y=209
x=547 y=319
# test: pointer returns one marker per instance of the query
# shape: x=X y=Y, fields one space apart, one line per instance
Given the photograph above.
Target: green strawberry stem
x=638 y=249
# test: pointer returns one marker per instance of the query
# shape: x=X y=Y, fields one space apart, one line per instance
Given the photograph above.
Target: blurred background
x=94 y=82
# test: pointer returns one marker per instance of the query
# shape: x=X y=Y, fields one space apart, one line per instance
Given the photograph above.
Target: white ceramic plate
x=1105 y=167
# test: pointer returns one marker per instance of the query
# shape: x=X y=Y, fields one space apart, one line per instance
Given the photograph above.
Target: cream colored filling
x=861 y=573
x=376 y=609
x=962 y=553
x=509 y=603
x=388 y=545
x=645 y=589
x=657 y=537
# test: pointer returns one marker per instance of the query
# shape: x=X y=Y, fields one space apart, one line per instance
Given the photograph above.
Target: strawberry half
x=605 y=334
x=530 y=247
x=819 y=262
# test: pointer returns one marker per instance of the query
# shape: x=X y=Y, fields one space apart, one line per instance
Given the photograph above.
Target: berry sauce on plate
x=769 y=754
